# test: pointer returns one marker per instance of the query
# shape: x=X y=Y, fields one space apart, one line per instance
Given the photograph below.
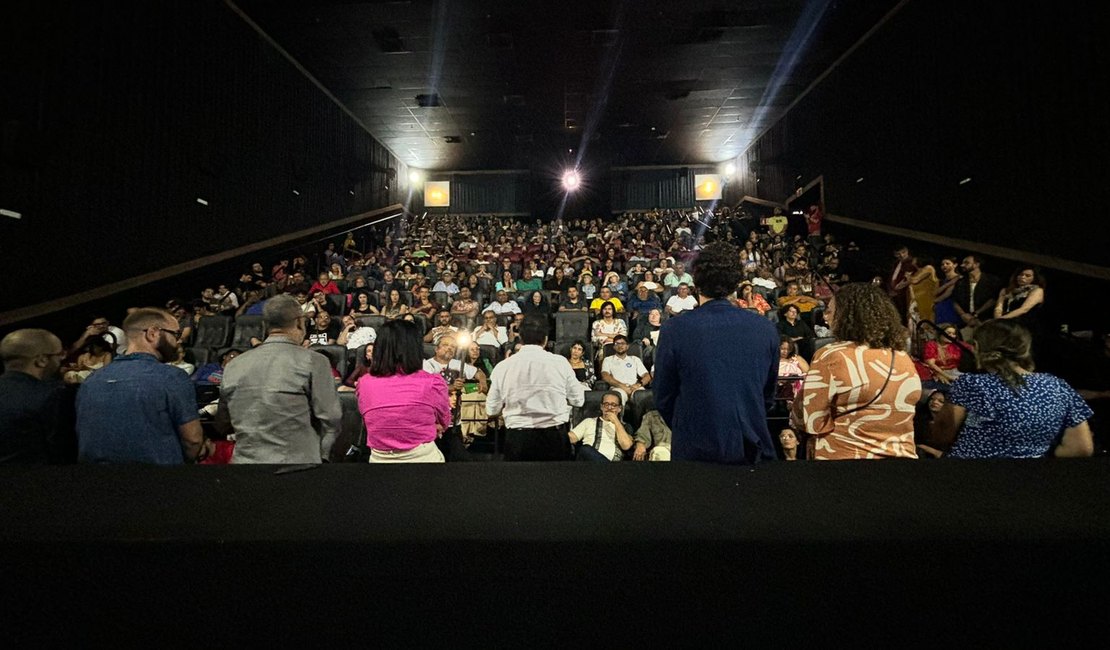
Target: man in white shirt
x=489 y=332
x=681 y=301
x=534 y=390
x=355 y=336
x=623 y=372
x=446 y=285
x=503 y=305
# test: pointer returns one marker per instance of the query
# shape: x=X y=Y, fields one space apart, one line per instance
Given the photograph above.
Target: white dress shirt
x=485 y=337
x=678 y=304
x=534 y=389
x=509 y=307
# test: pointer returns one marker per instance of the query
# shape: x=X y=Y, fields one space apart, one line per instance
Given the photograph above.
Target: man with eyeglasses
x=138 y=409
x=35 y=423
x=603 y=438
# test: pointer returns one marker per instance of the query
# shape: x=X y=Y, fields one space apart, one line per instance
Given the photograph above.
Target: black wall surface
x=118 y=116
x=1006 y=94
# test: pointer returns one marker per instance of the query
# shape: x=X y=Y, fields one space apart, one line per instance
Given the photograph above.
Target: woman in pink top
x=405 y=408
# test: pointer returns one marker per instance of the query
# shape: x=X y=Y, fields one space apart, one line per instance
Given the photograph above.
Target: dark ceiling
x=452 y=85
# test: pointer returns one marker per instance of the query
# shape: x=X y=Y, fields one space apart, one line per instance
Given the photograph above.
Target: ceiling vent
x=428 y=100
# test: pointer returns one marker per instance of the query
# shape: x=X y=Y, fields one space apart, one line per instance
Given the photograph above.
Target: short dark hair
x=620 y=337
x=533 y=329
x=399 y=349
x=717 y=270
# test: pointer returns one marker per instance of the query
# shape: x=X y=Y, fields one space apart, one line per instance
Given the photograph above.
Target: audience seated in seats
x=443 y=327
x=181 y=364
x=617 y=288
x=489 y=332
x=642 y=302
x=446 y=284
x=324 y=283
x=353 y=336
x=942 y=355
x=322 y=330
x=606 y=327
x=928 y=407
x=225 y=301
x=860 y=395
x=213 y=373
x=795 y=297
x=507 y=283
x=944 y=310
x=36 y=419
x=465 y=306
x=100 y=327
x=648 y=281
x=361 y=305
x=586 y=286
x=792 y=326
x=605 y=295
x=461 y=378
x=394 y=307
x=1008 y=410
x=424 y=305
x=748 y=298
x=362 y=366
x=791 y=364
x=96 y=354
x=623 y=372
x=252 y=305
x=678 y=276
x=536 y=303
x=503 y=305
x=681 y=301
x=604 y=438
x=647 y=329
x=788 y=440
x=573 y=300
x=583 y=367
x=653 y=438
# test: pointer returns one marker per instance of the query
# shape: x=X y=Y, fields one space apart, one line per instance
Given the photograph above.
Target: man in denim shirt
x=137 y=409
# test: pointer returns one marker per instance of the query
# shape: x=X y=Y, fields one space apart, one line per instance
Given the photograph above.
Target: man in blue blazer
x=715 y=370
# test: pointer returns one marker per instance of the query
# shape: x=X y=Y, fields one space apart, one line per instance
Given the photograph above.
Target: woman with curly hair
x=860 y=394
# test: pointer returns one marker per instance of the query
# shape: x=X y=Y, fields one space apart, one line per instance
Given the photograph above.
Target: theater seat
x=351 y=442
x=212 y=332
x=429 y=350
x=590 y=409
x=337 y=354
x=562 y=348
x=642 y=401
x=198 y=356
x=822 y=342
x=572 y=325
x=338 y=301
x=247 y=326
x=375 y=321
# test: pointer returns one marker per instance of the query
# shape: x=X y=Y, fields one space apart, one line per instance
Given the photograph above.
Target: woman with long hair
x=394 y=306
x=581 y=364
x=749 y=298
x=861 y=392
x=1022 y=299
x=405 y=409
x=1008 y=410
x=607 y=326
x=943 y=309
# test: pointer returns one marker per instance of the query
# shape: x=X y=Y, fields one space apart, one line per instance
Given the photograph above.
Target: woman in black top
x=792 y=326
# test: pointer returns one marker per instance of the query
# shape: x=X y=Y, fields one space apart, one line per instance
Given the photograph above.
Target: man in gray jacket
x=279 y=398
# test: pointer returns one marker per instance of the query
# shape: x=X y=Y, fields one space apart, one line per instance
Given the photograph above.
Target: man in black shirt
x=325 y=330
x=573 y=301
x=34 y=426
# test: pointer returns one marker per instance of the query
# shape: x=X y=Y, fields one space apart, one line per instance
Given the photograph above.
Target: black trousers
x=452 y=447
x=549 y=443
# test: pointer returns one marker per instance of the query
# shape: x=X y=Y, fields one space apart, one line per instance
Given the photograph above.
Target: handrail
x=103 y=291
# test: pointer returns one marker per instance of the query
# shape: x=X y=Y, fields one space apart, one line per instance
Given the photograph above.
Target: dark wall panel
x=644 y=189
x=117 y=116
x=1008 y=95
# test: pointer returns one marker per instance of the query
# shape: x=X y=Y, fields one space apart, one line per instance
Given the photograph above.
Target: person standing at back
x=137 y=409
x=535 y=391
x=279 y=398
x=716 y=369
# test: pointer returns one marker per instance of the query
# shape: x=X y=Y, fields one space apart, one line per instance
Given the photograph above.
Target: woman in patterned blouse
x=861 y=392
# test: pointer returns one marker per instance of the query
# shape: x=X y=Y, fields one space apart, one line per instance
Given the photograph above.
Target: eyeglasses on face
x=612 y=405
x=176 y=333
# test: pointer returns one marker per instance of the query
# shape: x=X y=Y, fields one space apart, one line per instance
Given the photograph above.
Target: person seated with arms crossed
x=489 y=332
x=464 y=306
x=502 y=305
x=623 y=372
x=442 y=327
x=604 y=438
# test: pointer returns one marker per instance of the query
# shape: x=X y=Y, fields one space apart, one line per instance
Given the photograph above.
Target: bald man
x=138 y=409
x=34 y=425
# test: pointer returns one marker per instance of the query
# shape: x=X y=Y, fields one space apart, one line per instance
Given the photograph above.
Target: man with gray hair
x=279 y=398
x=139 y=409
x=33 y=425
